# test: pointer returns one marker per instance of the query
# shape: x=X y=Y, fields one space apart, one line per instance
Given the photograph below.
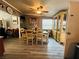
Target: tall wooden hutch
x=59 y=28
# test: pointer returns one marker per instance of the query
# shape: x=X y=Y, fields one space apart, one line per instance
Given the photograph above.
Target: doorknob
x=68 y=33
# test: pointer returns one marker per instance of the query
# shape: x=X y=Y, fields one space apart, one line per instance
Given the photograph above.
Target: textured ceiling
x=28 y=7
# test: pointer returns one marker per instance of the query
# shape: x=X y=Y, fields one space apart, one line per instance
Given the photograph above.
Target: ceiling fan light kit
x=39 y=12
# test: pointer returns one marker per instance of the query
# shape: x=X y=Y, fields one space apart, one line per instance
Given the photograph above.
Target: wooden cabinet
x=59 y=30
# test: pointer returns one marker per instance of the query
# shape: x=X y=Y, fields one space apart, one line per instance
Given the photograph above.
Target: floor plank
x=18 y=49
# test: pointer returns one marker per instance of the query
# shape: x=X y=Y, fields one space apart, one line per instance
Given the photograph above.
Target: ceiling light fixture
x=39 y=12
x=39 y=9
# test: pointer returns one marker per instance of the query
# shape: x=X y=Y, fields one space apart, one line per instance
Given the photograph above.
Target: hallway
x=17 y=49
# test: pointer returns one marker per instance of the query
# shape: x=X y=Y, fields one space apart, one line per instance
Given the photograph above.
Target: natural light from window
x=47 y=24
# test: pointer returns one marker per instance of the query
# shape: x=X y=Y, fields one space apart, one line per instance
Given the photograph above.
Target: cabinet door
x=4 y=24
x=1 y=24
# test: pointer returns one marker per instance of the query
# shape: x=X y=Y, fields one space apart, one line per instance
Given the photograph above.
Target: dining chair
x=24 y=36
x=30 y=36
x=39 y=37
x=45 y=38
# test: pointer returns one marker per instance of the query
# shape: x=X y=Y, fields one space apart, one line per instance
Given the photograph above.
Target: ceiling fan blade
x=45 y=11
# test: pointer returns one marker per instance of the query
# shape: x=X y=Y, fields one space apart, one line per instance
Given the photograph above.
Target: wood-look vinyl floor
x=18 y=49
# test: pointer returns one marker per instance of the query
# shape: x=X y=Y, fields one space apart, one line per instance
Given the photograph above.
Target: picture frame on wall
x=32 y=21
x=14 y=20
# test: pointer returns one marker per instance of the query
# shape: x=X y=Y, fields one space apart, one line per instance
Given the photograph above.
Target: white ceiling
x=28 y=7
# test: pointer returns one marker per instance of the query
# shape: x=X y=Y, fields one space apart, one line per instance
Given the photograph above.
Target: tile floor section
x=18 y=49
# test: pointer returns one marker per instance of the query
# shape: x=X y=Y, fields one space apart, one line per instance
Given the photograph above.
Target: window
x=47 y=24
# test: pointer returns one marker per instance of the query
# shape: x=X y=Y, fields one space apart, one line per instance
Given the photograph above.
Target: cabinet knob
x=68 y=33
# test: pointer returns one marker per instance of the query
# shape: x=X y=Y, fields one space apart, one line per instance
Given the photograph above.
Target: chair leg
x=42 y=42
x=32 y=41
x=27 y=41
x=36 y=42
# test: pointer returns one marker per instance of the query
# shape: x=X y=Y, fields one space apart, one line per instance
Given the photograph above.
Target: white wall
x=8 y=18
x=72 y=29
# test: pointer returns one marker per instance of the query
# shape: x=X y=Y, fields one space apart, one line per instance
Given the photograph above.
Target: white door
x=72 y=29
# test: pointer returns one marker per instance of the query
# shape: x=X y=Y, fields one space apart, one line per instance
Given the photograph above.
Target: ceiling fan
x=39 y=10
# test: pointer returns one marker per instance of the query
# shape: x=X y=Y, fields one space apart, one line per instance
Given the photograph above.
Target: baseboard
x=67 y=58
